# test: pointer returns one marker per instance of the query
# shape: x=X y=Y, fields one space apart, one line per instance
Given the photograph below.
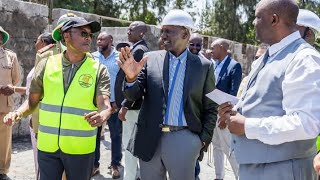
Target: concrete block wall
x=24 y=21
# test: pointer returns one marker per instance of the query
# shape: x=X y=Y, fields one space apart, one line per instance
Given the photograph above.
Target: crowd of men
x=155 y=103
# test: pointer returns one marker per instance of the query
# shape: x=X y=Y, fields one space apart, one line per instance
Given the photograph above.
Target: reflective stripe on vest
x=61 y=115
x=67 y=132
x=67 y=110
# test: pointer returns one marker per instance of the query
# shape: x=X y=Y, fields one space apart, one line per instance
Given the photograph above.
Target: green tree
x=109 y=8
x=230 y=19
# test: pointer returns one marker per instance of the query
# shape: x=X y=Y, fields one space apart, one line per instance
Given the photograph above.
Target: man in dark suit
x=176 y=119
x=129 y=110
x=228 y=75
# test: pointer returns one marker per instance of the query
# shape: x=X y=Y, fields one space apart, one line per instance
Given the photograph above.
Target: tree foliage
x=232 y=19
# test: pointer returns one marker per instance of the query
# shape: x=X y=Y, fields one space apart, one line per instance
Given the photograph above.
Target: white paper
x=221 y=97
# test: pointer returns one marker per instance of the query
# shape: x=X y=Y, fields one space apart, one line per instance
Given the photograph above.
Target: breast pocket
x=6 y=62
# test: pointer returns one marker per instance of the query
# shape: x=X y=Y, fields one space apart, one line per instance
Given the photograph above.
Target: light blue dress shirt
x=174 y=115
x=218 y=67
x=113 y=68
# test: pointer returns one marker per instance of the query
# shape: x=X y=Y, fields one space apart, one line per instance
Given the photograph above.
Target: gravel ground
x=22 y=165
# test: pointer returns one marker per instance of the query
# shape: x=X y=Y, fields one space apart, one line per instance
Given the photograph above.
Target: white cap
x=309 y=19
x=178 y=17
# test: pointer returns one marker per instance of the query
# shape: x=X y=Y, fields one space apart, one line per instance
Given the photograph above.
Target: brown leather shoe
x=95 y=171
x=115 y=172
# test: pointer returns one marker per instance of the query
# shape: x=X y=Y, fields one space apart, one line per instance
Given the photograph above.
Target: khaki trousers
x=5 y=145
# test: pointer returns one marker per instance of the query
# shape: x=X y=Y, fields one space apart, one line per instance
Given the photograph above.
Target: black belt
x=166 y=128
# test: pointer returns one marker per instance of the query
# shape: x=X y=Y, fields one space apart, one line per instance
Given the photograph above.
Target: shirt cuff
x=251 y=127
x=129 y=85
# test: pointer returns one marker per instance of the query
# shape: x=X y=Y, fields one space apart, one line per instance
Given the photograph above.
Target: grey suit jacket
x=152 y=84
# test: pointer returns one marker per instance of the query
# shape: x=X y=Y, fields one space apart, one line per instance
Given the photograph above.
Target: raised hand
x=129 y=66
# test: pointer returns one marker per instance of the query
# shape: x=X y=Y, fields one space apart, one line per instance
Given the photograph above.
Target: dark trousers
x=197 y=170
x=115 y=127
x=97 y=151
x=52 y=165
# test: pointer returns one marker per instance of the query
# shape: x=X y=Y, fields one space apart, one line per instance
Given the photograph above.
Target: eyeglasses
x=84 y=34
x=196 y=45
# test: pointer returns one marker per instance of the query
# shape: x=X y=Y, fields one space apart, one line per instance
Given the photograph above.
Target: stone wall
x=25 y=21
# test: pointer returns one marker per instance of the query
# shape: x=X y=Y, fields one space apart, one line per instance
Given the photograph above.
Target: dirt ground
x=22 y=164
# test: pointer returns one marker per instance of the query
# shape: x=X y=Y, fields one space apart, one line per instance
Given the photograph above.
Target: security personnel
x=73 y=92
x=45 y=46
x=9 y=76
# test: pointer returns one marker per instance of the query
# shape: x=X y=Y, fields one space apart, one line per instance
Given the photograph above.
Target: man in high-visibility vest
x=73 y=91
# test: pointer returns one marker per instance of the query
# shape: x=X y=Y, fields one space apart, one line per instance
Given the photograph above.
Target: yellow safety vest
x=61 y=115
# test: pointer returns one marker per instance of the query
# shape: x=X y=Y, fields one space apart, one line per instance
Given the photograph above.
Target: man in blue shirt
x=108 y=56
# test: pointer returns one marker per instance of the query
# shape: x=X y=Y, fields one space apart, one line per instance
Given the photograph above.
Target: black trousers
x=77 y=167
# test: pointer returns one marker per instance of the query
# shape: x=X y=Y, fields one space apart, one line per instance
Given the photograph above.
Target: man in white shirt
x=278 y=114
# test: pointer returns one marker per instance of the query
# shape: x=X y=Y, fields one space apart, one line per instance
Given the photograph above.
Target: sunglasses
x=84 y=34
x=196 y=45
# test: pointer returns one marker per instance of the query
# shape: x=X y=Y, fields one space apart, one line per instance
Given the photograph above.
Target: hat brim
x=94 y=26
x=5 y=37
x=56 y=35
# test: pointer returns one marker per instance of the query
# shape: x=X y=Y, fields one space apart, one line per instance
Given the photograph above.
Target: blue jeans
x=115 y=127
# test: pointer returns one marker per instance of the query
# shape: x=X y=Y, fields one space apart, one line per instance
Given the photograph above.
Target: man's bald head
x=195 y=43
x=221 y=42
x=287 y=10
x=195 y=36
x=219 y=49
x=141 y=26
x=136 y=31
x=275 y=20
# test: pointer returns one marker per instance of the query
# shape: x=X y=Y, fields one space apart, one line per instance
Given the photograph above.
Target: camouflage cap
x=64 y=18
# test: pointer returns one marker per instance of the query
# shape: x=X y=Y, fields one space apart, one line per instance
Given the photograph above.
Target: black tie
x=253 y=78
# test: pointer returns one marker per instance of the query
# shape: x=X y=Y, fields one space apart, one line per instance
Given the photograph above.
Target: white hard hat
x=309 y=19
x=178 y=17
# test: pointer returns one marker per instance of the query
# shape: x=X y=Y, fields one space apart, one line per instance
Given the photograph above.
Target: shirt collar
x=137 y=43
x=110 y=55
x=222 y=62
x=284 y=43
x=66 y=62
x=182 y=57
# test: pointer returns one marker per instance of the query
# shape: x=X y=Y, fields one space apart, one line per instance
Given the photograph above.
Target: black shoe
x=4 y=177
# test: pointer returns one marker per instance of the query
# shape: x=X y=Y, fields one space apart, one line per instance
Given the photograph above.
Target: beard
x=103 y=48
